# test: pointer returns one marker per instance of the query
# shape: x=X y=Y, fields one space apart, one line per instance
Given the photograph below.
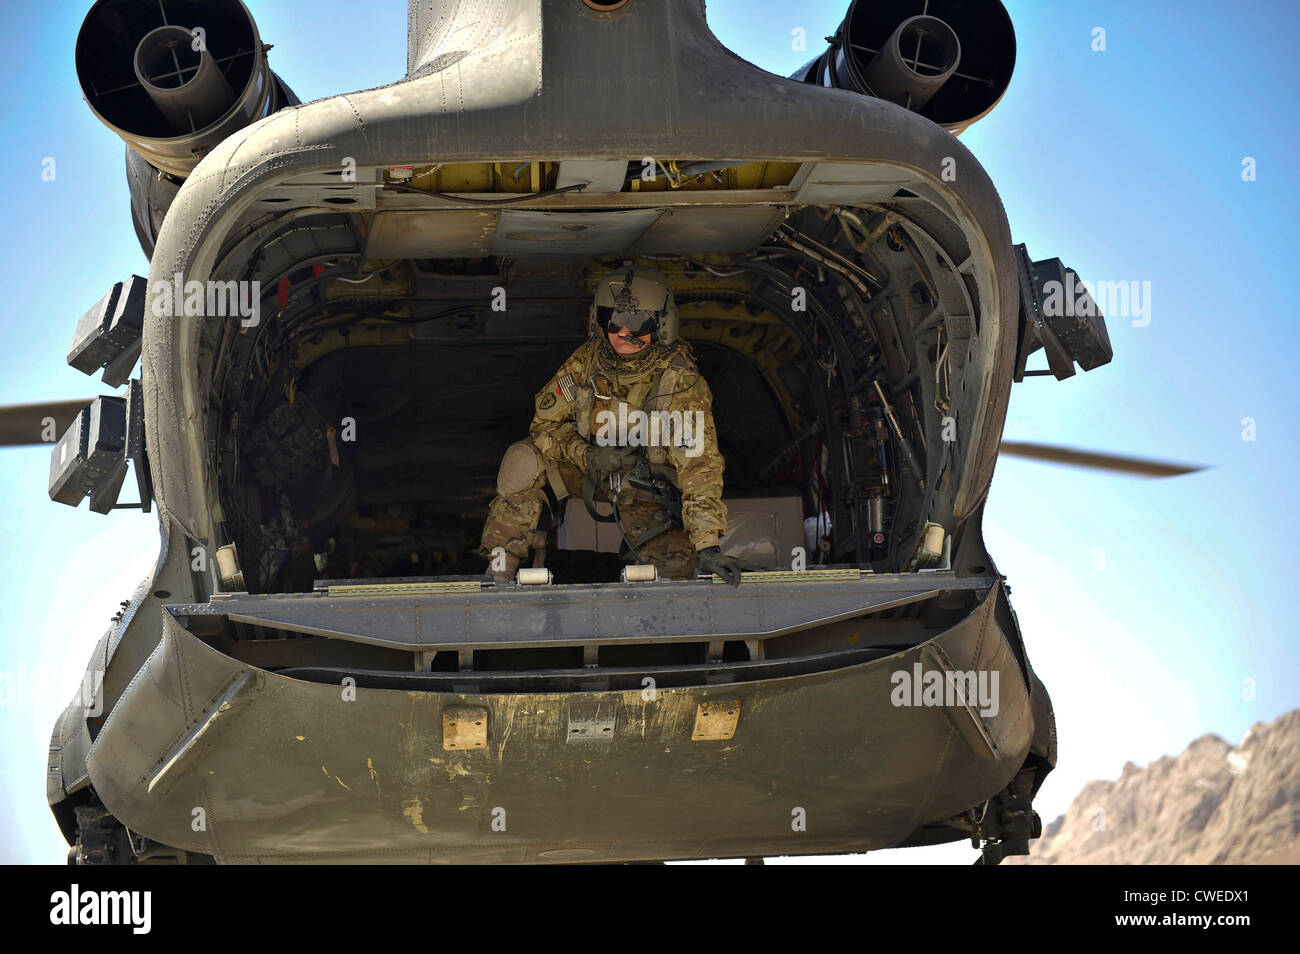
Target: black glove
x=607 y=460
x=713 y=560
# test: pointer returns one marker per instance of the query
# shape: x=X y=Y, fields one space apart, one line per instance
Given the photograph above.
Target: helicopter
x=349 y=305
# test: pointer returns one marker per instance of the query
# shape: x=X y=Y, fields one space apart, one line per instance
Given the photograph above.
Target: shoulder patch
x=548 y=400
x=564 y=386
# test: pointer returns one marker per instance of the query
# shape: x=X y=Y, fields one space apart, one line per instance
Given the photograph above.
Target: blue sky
x=1155 y=611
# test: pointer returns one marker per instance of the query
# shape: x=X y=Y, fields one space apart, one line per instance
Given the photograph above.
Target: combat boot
x=507 y=573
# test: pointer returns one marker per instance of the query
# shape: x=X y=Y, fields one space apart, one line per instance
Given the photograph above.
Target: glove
x=607 y=460
x=713 y=560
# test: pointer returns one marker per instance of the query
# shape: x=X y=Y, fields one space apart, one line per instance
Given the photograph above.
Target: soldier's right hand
x=607 y=460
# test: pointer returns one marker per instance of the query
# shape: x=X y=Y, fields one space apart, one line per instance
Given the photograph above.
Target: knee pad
x=520 y=468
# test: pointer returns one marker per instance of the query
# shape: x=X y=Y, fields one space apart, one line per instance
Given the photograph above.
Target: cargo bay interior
x=400 y=349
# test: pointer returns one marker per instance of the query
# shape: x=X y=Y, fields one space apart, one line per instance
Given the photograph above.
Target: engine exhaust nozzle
x=175 y=78
x=949 y=60
x=919 y=57
x=182 y=80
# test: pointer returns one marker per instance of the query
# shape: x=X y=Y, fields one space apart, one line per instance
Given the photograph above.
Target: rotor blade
x=1079 y=458
x=22 y=424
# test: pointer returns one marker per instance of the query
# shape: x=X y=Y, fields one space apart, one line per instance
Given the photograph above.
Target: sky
x=1155 y=611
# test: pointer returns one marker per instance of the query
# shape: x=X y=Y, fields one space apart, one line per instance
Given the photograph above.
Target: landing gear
x=103 y=840
x=1007 y=821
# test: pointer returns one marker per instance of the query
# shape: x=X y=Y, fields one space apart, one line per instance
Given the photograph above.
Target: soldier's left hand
x=726 y=568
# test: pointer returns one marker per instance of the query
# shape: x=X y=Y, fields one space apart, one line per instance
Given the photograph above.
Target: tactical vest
x=651 y=394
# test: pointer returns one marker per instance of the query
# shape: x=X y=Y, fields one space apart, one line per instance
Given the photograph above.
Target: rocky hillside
x=1213 y=804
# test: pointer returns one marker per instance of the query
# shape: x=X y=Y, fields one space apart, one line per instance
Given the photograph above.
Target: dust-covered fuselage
x=350 y=307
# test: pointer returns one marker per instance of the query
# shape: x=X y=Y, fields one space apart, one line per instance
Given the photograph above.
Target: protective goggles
x=638 y=322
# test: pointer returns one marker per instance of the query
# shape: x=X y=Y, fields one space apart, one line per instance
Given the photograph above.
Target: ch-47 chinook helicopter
x=319 y=669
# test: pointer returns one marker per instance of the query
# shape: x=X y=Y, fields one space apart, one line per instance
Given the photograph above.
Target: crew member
x=628 y=403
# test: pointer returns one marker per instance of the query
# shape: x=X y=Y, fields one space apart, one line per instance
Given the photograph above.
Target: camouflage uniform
x=567 y=422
